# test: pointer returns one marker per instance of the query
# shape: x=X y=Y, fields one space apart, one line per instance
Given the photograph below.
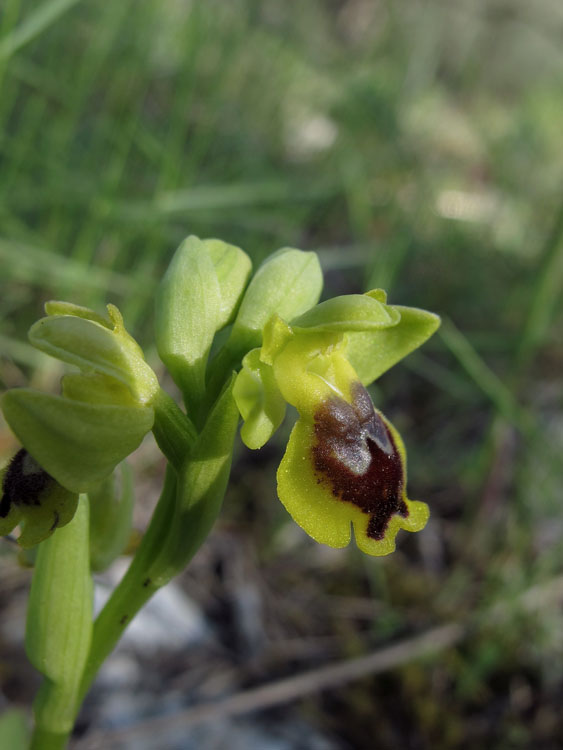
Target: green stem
x=173 y=430
x=186 y=511
x=202 y=482
x=133 y=591
x=219 y=372
x=42 y=739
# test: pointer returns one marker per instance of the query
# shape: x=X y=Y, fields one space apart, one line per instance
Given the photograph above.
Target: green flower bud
x=111 y=517
x=233 y=268
x=259 y=400
x=288 y=283
x=34 y=500
x=80 y=337
x=197 y=296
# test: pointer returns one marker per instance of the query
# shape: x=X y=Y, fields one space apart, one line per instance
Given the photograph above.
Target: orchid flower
x=345 y=463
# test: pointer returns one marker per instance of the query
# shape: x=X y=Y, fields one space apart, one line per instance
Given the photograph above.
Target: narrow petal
x=259 y=401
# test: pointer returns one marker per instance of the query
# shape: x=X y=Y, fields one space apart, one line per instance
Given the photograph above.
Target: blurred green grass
x=416 y=147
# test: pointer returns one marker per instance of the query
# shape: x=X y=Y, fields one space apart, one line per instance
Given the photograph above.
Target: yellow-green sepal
x=77 y=443
x=96 y=389
x=372 y=353
x=58 y=307
x=276 y=334
x=259 y=400
x=95 y=346
x=350 y=312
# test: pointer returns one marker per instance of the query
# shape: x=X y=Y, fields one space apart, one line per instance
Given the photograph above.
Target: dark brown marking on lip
x=355 y=453
x=23 y=482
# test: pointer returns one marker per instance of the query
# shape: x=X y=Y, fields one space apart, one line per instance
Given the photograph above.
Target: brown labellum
x=354 y=452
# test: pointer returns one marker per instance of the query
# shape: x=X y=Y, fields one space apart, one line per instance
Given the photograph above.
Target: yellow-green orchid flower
x=31 y=498
x=73 y=441
x=345 y=463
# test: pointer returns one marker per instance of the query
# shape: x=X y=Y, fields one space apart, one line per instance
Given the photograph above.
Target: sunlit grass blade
x=546 y=294
x=33 y=26
x=484 y=378
x=22 y=352
x=39 y=266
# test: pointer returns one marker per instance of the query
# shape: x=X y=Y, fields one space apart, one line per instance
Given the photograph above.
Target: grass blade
x=33 y=26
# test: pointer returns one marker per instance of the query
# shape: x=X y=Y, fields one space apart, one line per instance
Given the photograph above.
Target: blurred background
x=416 y=145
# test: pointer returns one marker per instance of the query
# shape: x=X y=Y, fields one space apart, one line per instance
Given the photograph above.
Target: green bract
x=345 y=462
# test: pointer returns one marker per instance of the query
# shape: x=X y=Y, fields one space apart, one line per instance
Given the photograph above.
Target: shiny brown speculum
x=355 y=453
